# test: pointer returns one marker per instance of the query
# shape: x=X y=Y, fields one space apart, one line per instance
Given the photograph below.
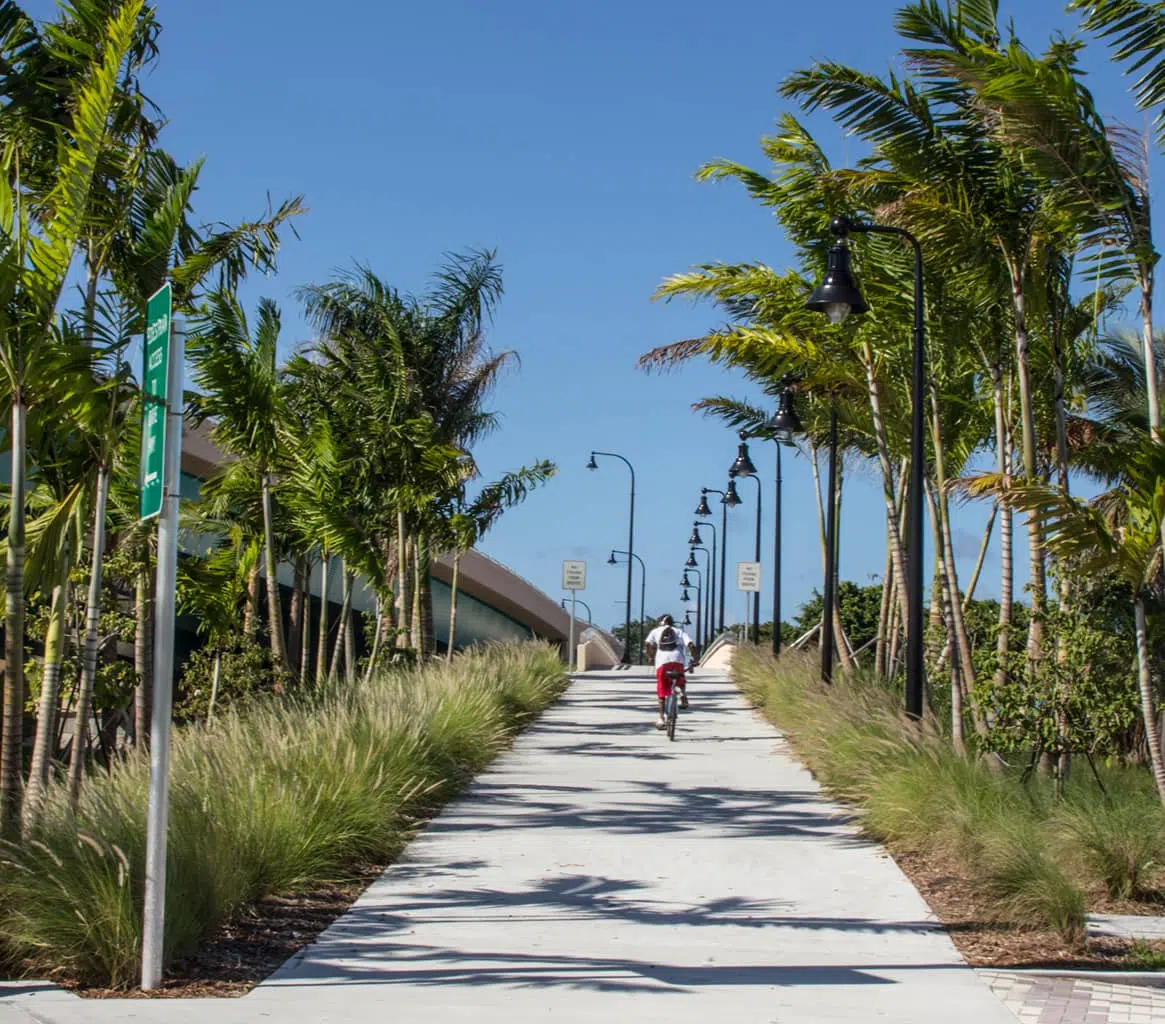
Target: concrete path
x=601 y=873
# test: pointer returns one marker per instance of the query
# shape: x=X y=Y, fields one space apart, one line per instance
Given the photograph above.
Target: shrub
x=264 y=801
x=1117 y=839
x=914 y=792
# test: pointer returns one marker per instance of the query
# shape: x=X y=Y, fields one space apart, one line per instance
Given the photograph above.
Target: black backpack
x=668 y=641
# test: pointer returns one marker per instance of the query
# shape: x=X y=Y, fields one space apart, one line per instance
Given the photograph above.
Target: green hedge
x=266 y=802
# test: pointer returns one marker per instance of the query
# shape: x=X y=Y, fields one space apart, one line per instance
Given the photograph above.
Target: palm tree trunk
x=295 y=618
x=415 y=634
x=945 y=600
x=428 y=628
x=1038 y=584
x=453 y=605
x=404 y=593
x=251 y=606
x=274 y=605
x=322 y=645
x=1149 y=353
x=1064 y=683
x=1006 y=529
x=1148 y=714
x=305 y=625
x=50 y=689
x=984 y=546
x=350 y=647
x=958 y=623
x=215 y=680
x=342 y=620
x=892 y=500
x=816 y=466
x=92 y=635
x=143 y=654
x=379 y=634
x=844 y=657
x=894 y=638
x=12 y=732
x=880 y=643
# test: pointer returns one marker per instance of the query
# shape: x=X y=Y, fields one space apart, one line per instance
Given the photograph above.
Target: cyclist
x=666 y=646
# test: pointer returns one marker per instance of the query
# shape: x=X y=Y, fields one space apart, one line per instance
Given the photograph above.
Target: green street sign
x=157 y=367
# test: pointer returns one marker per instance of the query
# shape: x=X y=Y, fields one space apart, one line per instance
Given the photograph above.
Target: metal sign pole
x=159 y=800
x=572 y=657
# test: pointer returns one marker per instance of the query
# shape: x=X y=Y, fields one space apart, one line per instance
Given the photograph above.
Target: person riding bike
x=667 y=646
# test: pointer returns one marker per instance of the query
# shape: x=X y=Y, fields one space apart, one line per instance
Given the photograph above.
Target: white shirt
x=678 y=654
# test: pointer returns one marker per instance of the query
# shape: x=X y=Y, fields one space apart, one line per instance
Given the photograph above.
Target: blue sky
x=565 y=135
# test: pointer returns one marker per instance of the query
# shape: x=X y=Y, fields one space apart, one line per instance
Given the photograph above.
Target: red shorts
x=663 y=684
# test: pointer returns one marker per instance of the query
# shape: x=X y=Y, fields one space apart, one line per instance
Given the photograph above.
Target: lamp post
x=710 y=595
x=642 y=596
x=685 y=597
x=590 y=621
x=709 y=565
x=783 y=426
x=743 y=467
x=630 y=542
x=829 y=588
x=703 y=510
x=837 y=296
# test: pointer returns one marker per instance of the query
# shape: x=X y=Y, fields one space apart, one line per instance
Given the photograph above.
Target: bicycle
x=671 y=704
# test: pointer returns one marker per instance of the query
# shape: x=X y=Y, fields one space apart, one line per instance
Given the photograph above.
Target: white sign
x=748 y=576
x=574 y=575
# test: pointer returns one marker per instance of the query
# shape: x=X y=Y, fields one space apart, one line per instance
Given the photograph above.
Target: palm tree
x=242 y=395
x=1119 y=533
x=34 y=265
x=964 y=190
x=156 y=242
x=466 y=522
x=425 y=361
x=1136 y=33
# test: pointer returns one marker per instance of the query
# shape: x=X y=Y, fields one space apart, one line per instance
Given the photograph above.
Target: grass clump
x=1117 y=835
x=1035 y=856
x=264 y=802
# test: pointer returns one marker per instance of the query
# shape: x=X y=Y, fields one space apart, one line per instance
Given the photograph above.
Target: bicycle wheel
x=673 y=711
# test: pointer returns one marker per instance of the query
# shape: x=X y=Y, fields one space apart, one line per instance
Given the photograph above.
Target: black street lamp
x=590 y=621
x=743 y=467
x=710 y=597
x=630 y=542
x=781 y=429
x=837 y=296
x=691 y=563
x=709 y=565
x=699 y=588
x=830 y=587
x=704 y=511
x=642 y=595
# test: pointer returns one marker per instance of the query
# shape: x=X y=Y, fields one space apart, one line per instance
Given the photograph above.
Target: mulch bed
x=966 y=915
x=249 y=948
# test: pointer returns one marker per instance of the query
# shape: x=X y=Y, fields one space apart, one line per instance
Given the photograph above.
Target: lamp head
x=731 y=498
x=743 y=465
x=695 y=538
x=685 y=596
x=611 y=560
x=702 y=509
x=838 y=294
x=592 y=464
x=786 y=424
x=691 y=563
x=685 y=582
